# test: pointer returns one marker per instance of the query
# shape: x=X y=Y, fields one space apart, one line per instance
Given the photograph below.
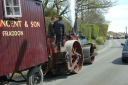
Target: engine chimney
x=75 y=30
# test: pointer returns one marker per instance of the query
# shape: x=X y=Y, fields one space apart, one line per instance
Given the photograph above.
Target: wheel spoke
x=76 y=66
x=72 y=59
x=72 y=49
x=75 y=49
x=72 y=54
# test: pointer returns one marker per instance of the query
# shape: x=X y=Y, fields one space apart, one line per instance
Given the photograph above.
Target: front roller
x=89 y=53
x=75 y=56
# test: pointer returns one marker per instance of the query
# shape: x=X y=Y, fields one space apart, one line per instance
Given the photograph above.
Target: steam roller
x=72 y=55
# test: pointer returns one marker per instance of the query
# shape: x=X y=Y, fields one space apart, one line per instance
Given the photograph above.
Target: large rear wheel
x=75 y=52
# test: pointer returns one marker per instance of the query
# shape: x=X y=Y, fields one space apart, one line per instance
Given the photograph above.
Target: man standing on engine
x=59 y=29
x=50 y=28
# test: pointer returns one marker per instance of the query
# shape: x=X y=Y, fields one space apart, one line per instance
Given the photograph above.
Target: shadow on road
x=86 y=64
x=50 y=77
x=119 y=62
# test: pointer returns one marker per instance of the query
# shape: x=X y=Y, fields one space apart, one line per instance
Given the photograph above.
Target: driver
x=59 y=29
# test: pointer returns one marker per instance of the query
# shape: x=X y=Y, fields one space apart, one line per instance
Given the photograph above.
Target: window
x=12 y=8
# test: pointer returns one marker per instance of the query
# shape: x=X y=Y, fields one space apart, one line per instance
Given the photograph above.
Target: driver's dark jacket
x=59 y=27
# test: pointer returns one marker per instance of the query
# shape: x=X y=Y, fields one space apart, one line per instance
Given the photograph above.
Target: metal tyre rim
x=36 y=78
x=73 y=47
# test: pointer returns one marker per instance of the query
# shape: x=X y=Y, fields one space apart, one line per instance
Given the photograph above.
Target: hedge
x=90 y=31
x=94 y=31
x=100 y=40
x=103 y=30
x=85 y=30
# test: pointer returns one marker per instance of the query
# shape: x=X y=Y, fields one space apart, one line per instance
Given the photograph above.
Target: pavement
x=108 y=69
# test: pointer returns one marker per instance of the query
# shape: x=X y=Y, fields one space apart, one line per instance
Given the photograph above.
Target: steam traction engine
x=72 y=55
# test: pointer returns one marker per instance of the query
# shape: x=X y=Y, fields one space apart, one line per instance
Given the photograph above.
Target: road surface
x=107 y=69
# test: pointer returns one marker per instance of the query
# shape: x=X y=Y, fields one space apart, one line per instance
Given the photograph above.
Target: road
x=107 y=69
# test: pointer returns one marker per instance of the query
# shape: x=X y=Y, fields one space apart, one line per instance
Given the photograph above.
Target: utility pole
x=126 y=30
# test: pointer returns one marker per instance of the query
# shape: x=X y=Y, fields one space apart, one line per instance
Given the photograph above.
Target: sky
x=118 y=15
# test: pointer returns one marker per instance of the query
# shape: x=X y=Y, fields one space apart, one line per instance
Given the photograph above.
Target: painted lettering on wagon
x=18 y=24
x=8 y=23
x=12 y=33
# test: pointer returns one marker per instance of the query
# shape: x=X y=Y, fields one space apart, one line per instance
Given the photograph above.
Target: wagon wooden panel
x=23 y=40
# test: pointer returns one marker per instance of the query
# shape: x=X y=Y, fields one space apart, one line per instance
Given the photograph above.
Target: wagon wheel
x=74 y=49
x=4 y=79
x=4 y=84
x=35 y=76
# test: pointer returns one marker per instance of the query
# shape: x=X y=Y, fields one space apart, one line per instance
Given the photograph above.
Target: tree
x=61 y=6
x=50 y=5
x=94 y=17
x=52 y=13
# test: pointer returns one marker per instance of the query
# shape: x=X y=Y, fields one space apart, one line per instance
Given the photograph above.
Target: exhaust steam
x=71 y=4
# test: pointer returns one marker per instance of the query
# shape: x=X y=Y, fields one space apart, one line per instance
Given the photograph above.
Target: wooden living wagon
x=22 y=36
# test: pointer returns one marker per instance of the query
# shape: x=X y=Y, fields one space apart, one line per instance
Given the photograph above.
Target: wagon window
x=12 y=8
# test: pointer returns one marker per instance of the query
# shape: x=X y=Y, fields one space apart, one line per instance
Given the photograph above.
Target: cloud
x=118 y=15
x=118 y=26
